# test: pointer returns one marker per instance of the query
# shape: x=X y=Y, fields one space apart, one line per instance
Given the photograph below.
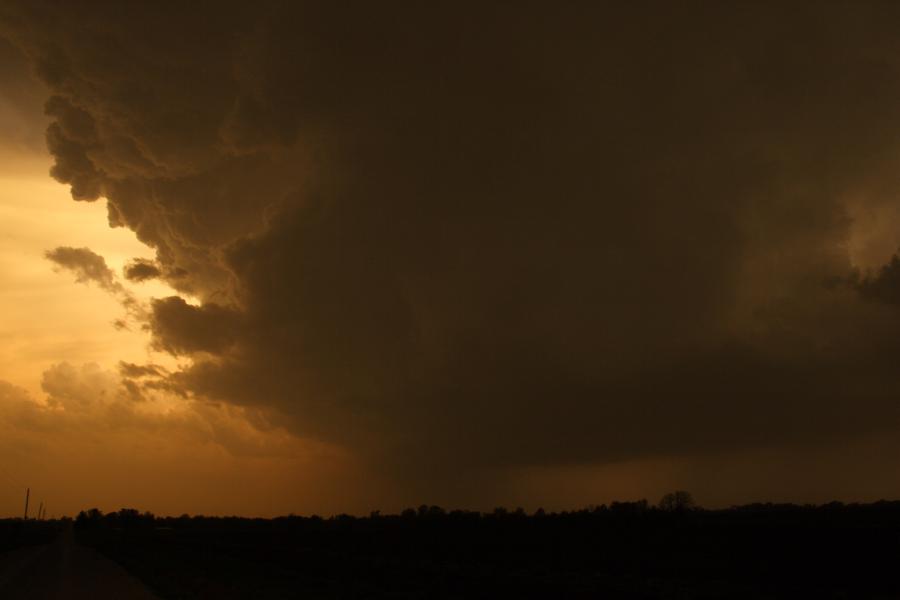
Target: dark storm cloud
x=491 y=234
x=72 y=163
x=883 y=286
x=181 y=328
x=88 y=266
x=134 y=371
x=141 y=270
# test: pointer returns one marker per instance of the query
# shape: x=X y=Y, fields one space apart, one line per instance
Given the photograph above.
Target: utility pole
x=40 y=510
x=27 y=495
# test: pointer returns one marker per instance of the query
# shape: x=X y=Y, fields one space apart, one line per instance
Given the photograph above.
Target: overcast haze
x=379 y=254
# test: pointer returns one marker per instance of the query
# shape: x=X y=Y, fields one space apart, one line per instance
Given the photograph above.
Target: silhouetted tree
x=92 y=518
x=677 y=501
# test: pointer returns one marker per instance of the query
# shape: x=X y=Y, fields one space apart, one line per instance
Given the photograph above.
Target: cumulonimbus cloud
x=482 y=236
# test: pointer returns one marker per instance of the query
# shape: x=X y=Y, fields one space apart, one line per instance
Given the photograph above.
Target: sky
x=262 y=258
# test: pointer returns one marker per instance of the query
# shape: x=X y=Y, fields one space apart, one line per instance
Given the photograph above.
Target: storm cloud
x=90 y=267
x=449 y=236
x=141 y=270
x=87 y=265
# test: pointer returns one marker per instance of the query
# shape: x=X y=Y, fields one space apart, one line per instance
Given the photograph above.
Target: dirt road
x=65 y=570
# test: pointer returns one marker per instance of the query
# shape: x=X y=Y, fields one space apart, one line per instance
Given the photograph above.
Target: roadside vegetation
x=624 y=550
x=16 y=533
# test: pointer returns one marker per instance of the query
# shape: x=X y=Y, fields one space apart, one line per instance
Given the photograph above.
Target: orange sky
x=47 y=319
x=182 y=463
x=69 y=437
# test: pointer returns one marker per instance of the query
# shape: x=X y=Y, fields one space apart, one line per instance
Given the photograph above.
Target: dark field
x=15 y=533
x=626 y=550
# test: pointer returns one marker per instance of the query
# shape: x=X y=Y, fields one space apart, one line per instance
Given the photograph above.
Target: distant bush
x=15 y=533
x=678 y=501
x=125 y=518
